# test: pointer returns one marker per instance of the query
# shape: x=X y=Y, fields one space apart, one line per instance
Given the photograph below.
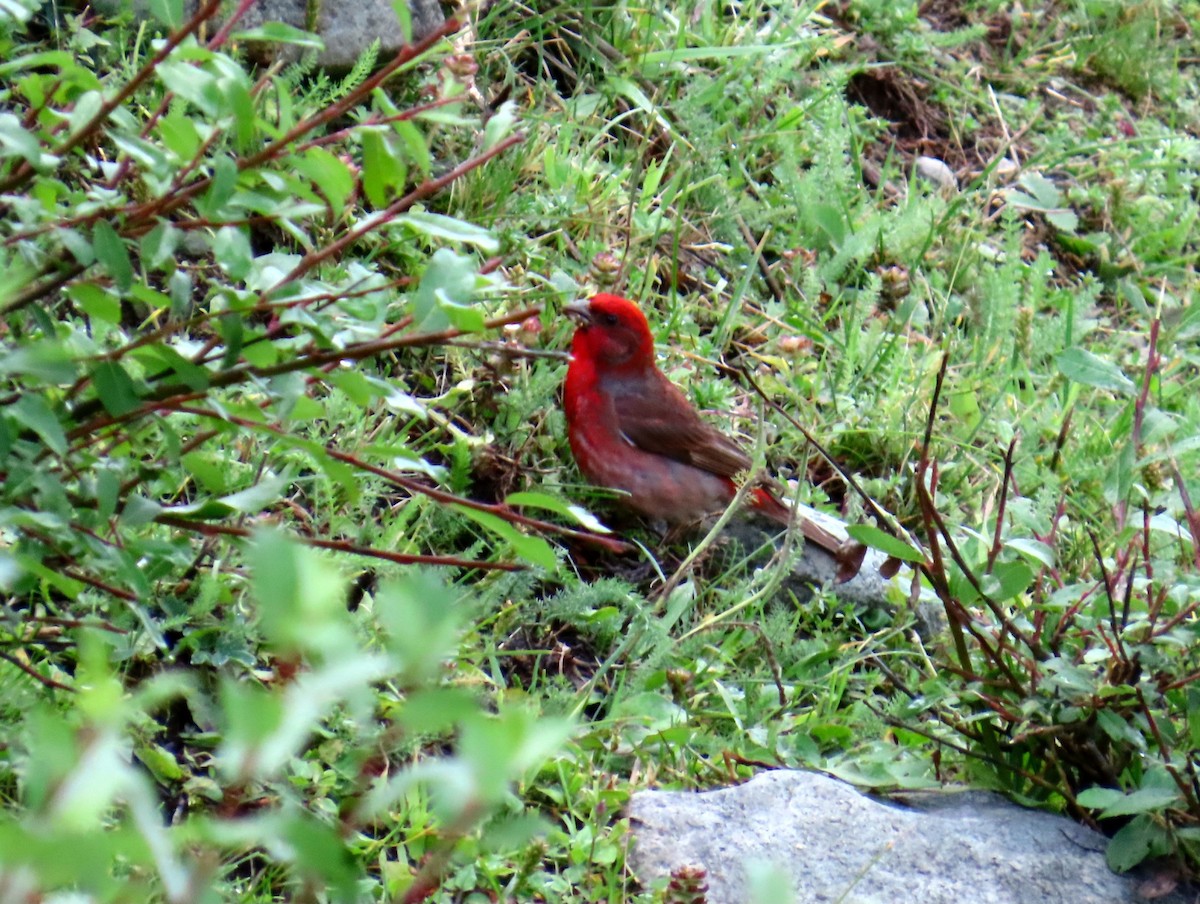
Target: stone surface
x=933 y=170
x=817 y=568
x=868 y=586
x=839 y=845
x=348 y=27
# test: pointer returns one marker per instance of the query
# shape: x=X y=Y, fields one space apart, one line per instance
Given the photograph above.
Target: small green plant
x=371 y=684
x=1078 y=693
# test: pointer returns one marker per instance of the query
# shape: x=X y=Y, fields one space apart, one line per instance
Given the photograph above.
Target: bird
x=632 y=430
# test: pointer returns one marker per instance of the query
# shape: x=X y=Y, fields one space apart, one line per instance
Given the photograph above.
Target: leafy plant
x=1077 y=692
x=242 y=304
x=182 y=320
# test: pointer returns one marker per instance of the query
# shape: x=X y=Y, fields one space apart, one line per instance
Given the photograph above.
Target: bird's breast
x=652 y=484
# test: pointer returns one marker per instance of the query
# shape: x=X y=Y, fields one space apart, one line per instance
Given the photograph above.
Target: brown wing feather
x=640 y=406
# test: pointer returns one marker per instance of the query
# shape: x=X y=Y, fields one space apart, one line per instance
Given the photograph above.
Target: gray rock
x=816 y=568
x=840 y=845
x=868 y=586
x=348 y=27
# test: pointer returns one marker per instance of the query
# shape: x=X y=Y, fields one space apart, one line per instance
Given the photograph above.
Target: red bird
x=631 y=429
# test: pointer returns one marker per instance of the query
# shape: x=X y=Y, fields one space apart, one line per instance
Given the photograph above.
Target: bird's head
x=612 y=332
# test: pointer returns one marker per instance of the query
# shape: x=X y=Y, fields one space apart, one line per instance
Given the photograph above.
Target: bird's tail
x=848 y=553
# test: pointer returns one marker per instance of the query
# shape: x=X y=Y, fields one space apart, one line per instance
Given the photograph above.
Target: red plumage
x=632 y=429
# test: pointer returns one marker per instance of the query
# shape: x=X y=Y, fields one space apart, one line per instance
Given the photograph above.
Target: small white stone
x=933 y=170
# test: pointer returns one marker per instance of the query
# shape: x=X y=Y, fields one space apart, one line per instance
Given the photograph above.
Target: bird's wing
x=656 y=417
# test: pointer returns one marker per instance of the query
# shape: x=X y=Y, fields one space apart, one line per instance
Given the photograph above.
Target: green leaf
x=1045 y=191
x=1032 y=549
x=233 y=334
x=829 y=220
x=501 y=748
x=1084 y=367
x=151 y=157
x=1144 y=800
x=355 y=384
x=52 y=577
x=1120 y=731
x=156 y=301
x=46 y=59
x=32 y=411
x=10 y=571
x=79 y=245
x=1045 y=198
x=209 y=470
x=115 y=388
x=769 y=883
x=192 y=375
x=330 y=174
x=238 y=100
x=167 y=12
x=421 y=618
x=160 y=761
x=95 y=301
x=1040 y=194
x=415 y=145
x=499 y=125
x=631 y=91
x=300 y=597
x=1063 y=220
x=446 y=290
x=383 y=170
x=159 y=244
x=560 y=506
x=252 y=713
x=1136 y=841
x=437 y=709
x=108 y=489
x=179 y=287
x=320 y=850
x=16 y=140
x=1008 y=580
x=1119 y=476
x=139 y=510
x=179 y=134
x=231 y=248
x=193 y=84
x=248 y=502
x=281 y=33
x=404 y=17
x=438 y=226
x=1192 y=716
x=532 y=549
x=1098 y=798
x=113 y=254
x=875 y=538
x=964 y=405
x=220 y=190
x=87 y=105
x=47 y=361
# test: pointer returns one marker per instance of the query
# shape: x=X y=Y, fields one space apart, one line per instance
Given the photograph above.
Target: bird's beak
x=580 y=311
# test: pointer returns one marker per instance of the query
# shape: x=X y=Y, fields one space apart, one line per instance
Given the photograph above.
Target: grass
x=262 y=634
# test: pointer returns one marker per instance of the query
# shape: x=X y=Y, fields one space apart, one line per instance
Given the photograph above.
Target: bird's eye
x=611 y=319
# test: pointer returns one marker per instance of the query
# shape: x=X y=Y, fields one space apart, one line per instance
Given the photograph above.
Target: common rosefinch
x=631 y=429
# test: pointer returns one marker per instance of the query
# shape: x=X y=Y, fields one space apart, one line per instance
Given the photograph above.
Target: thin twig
x=505 y=512
x=994 y=553
x=228 y=530
x=34 y=673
